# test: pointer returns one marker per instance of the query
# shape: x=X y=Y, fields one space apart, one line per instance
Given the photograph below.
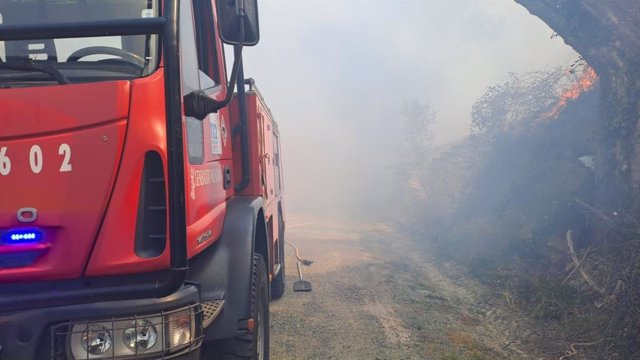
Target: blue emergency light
x=22 y=236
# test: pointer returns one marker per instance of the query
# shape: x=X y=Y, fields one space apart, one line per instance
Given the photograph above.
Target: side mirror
x=233 y=13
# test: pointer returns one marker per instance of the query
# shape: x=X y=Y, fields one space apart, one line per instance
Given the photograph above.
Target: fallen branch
x=580 y=269
x=576 y=267
x=573 y=351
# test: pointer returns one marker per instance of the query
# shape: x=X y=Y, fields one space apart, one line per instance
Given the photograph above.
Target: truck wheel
x=255 y=344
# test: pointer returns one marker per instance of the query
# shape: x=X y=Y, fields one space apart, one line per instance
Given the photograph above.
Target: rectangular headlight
x=180 y=328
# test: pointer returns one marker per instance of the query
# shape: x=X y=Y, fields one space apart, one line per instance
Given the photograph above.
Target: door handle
x=227 y=177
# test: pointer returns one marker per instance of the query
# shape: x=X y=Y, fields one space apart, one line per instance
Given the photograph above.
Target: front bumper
x=28 y=335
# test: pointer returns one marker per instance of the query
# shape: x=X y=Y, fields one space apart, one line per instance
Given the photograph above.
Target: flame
x=585 y=83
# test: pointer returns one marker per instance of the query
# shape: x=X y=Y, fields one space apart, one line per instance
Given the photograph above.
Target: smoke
x=336 y=75
x=472 y=127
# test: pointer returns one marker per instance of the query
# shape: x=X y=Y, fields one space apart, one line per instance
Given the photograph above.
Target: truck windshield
x=60 y=61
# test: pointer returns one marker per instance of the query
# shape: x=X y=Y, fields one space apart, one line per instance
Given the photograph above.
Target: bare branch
x=584 y=274
x=576 y=267
x=573 y=351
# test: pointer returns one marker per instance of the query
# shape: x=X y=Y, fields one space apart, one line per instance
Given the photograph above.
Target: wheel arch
x=261 y=241
x=224 y=270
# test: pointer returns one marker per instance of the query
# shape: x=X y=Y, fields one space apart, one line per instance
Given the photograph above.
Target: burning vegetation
x=521 y=208
x=585 y=82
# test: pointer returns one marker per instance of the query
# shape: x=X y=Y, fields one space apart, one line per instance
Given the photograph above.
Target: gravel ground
x=376 y=297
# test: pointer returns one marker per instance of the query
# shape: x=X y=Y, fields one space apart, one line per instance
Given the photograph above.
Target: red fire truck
x=141 y=212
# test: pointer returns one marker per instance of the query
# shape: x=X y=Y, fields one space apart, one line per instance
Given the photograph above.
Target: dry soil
x=378 y=295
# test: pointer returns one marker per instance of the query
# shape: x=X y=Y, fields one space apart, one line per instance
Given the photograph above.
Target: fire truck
x=141 y=192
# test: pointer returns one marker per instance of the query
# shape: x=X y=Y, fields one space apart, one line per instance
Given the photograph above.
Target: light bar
x=22 y=236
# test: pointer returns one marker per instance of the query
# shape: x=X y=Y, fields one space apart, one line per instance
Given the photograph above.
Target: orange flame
x=585 y=83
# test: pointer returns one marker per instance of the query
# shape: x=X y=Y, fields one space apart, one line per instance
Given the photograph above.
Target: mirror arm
x=198 y=104
x=241 y=12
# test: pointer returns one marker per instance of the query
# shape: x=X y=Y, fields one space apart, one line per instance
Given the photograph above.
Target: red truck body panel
x=64 y=149
x=114 y=249
x=265 y=161
x=89 y=221
x=205 y=193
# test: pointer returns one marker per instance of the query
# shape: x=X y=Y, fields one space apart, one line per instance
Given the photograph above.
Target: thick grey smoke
x=336 y=75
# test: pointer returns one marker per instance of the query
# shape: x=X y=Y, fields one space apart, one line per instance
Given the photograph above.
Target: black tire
x=278 y=284
x=255 y=344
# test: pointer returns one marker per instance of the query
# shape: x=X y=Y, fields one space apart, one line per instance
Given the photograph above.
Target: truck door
x=208 y=152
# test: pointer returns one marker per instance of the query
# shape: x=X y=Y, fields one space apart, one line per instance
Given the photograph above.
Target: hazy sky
x=336 y=74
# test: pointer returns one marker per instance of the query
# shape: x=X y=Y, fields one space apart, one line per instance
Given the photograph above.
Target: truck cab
x=141 y=197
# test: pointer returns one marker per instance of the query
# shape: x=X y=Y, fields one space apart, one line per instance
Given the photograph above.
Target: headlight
x=180 y=328
x=117 y=338
x=134 y=336
x=140 y=335
x=96 y=340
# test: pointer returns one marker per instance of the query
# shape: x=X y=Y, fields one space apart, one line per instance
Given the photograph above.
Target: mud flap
x=223 y=271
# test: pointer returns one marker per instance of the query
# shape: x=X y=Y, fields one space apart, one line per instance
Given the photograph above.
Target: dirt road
x=376 y=297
